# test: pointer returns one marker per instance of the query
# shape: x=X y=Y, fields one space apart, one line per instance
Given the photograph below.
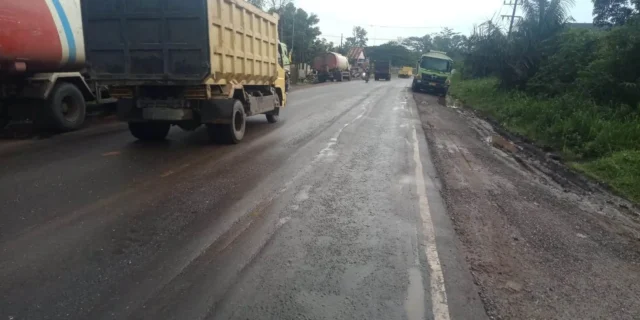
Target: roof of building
x=355 y=53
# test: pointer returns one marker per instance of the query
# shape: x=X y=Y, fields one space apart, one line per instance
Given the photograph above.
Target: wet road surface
x=332 y=213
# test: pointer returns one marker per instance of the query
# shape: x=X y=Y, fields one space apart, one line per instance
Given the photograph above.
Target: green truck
x=434 y=69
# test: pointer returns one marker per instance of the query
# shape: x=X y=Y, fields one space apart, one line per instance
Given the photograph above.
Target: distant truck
x=332 y=66
x=434 y=69
x=42 y=65
x=405 y=72
x=187 y=64
x=382 y=70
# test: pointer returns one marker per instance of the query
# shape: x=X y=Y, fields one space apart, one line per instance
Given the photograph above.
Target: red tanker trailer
x=331 y=66
x=41 y=58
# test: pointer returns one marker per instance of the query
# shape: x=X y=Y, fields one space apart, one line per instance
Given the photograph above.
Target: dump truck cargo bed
x=177 y=41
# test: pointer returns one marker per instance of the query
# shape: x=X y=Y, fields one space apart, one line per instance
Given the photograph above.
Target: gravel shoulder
x=539 y=246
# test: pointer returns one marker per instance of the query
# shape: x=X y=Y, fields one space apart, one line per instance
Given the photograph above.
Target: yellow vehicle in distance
x=405 y=72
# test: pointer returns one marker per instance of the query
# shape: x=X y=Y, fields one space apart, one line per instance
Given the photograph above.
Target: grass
x=600 y=141
x=621 y=171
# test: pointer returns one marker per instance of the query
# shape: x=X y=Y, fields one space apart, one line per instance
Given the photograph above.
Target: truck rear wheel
x=66 y=109
x=149 y=131
x=274 y=116
x=233 y=132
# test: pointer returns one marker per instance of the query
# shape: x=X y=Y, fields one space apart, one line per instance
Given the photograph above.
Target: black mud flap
x=216 y=111
x=128 y=112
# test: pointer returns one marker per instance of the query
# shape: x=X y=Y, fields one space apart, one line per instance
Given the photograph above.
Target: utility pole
x=293 y=32
x=341 y=40
x=512 y=17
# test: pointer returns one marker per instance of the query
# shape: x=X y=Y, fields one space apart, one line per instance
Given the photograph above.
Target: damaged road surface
x=541 y=244
x=332 y=213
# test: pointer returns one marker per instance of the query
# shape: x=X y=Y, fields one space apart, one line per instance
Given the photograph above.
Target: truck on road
x=434 y=69
x=332 y=66
x=187 y=64
x=382 y=70
x=42 y=65
x=405 y=72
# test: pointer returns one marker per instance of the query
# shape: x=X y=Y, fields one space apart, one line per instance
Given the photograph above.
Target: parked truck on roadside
x=434 y=70
x=382 y=70
x=187 y=64
x=332 y=66
x=405 y=72
x=42 y=65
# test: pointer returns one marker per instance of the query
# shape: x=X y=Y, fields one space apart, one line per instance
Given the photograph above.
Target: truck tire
x=65 y=109
x=274 y=116
x=230 y=133
x=149 y=131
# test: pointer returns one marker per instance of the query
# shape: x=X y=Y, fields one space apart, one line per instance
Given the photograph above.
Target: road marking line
x=112 y=153
x=438 y=291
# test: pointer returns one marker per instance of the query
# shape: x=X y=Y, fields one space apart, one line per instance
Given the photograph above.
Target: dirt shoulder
x=541 y=244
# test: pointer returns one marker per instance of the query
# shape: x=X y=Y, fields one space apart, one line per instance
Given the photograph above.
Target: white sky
x=388 y=20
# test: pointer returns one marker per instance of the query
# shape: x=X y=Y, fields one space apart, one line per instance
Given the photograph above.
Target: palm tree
x=542 y=21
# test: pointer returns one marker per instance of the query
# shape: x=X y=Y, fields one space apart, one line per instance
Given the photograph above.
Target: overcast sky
x=388 y=20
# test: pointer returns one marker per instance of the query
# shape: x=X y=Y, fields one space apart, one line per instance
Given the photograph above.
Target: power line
x=334 y=36
x=407 y=27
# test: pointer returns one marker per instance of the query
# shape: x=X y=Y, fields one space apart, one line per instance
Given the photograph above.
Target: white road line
x=438 y=291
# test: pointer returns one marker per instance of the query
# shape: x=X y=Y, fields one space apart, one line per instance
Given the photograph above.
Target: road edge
x=463 y=295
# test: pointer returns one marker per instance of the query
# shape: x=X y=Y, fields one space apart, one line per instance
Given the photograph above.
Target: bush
x=570 y=123
x=621 y=170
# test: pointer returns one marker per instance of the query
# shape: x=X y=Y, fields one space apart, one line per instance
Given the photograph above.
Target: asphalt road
x=332 y=213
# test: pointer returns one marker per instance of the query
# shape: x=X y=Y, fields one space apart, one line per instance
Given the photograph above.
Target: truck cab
x=434 y=69
x=284 y=60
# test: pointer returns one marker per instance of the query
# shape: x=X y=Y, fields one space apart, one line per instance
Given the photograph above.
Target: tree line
x=569 y=87
x=299 y=30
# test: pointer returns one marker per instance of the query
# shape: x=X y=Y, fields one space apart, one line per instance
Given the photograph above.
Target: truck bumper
x=429 y=86
x=175 y=111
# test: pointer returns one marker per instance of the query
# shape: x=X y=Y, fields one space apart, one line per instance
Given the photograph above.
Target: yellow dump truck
x=405 y=72
x=187 y=63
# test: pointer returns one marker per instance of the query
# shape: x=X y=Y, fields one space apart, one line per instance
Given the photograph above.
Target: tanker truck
x=331 y=66
x=187 y=64
x=42 y=65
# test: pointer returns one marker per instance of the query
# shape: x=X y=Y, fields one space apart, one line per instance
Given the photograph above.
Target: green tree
x=608 y=13
x=398 y=54
x=319 y=46
x=419 y=44
x=258 y=3
x=358 y=38
x=299 y=30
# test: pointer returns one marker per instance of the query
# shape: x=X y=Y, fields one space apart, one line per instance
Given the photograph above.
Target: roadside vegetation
x=570 y=89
